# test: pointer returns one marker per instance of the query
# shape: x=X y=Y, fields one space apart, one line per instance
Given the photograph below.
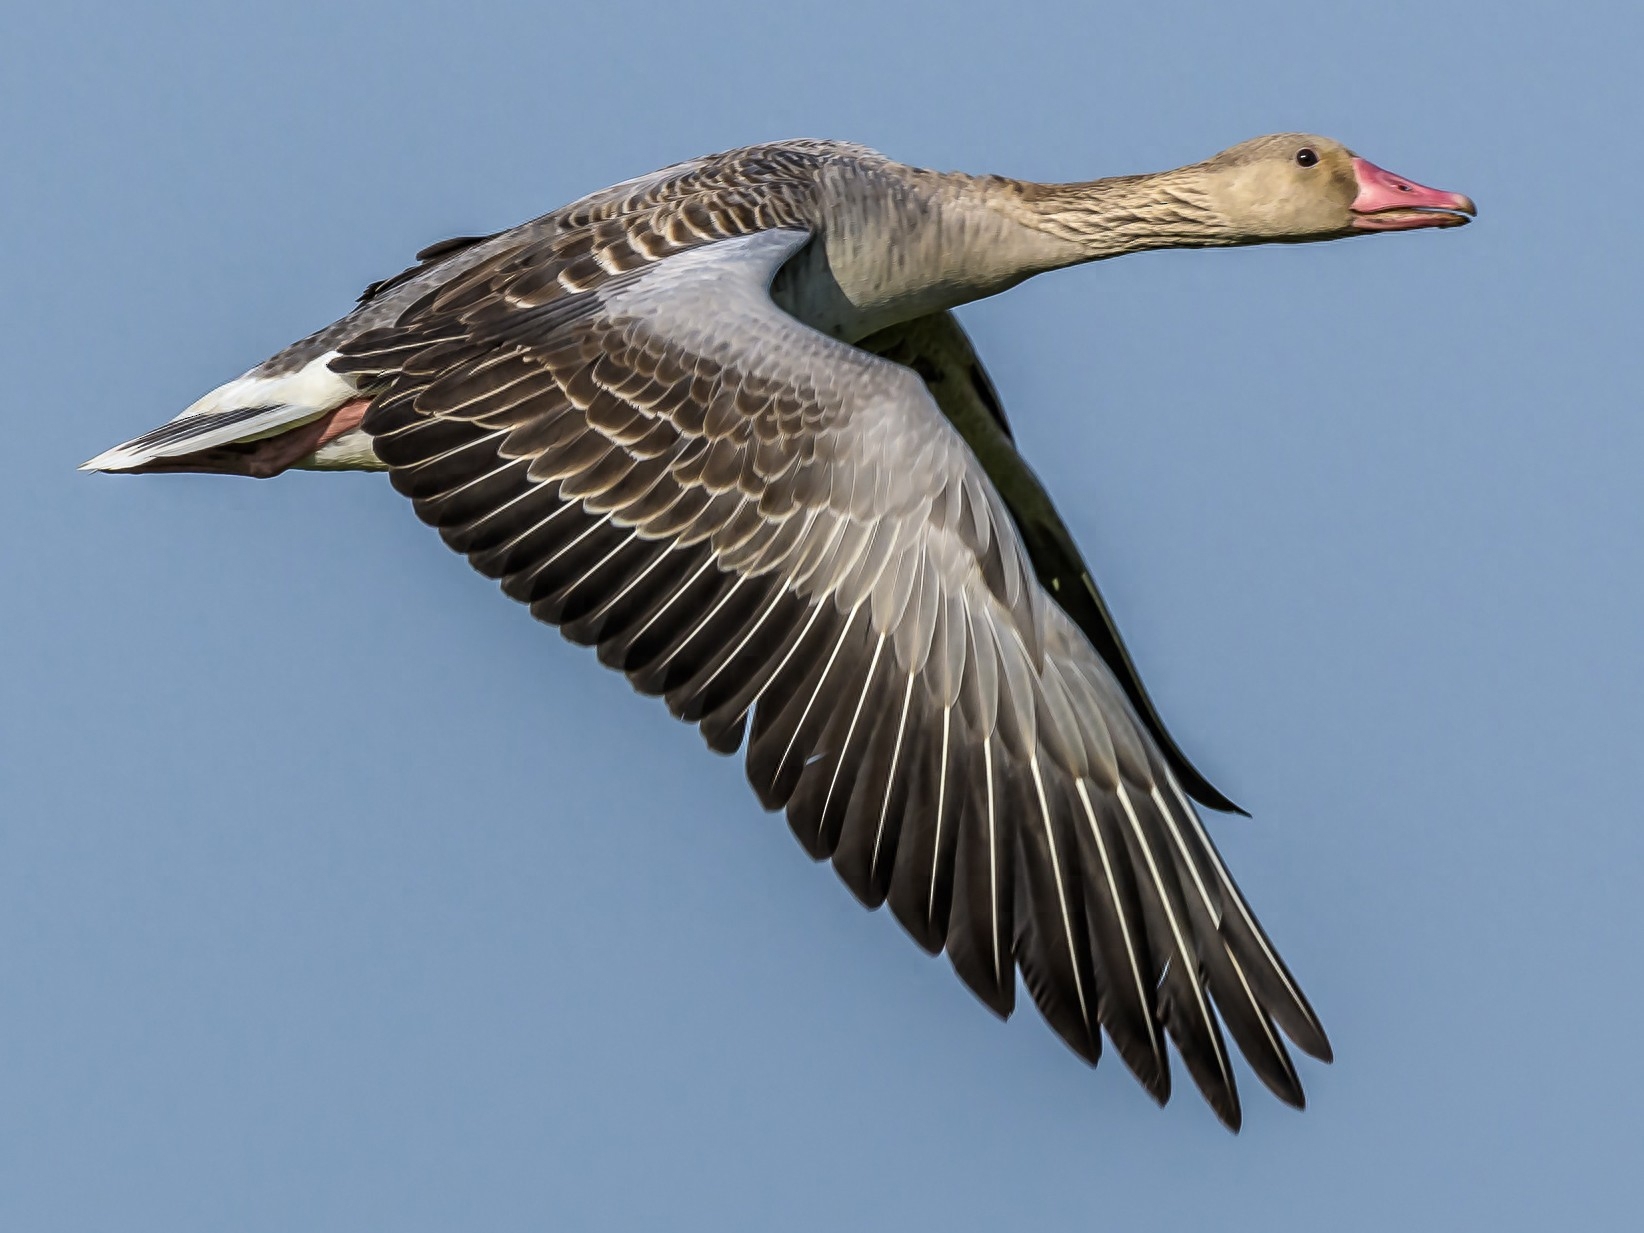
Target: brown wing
x=782 y=536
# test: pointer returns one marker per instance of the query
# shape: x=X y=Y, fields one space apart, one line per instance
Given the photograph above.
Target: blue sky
x=337 y=894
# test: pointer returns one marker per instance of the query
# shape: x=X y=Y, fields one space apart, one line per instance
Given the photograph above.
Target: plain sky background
x=336 y=894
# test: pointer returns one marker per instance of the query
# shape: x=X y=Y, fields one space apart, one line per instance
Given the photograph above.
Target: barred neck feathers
x=1097 y=219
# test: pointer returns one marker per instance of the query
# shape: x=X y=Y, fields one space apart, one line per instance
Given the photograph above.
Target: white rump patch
x=288 y=401
x=313 y=386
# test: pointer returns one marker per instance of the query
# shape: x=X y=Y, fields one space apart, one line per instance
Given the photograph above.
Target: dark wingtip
x=1193 y=783
x=725 y=739
x=1155 y=1081
x=1316 y=1047
x=1301 y=1024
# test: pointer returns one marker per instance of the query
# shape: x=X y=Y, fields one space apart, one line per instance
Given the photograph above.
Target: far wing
x=937 y=348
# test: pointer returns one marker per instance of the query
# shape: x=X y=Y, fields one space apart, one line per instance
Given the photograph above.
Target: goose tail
x=258 y=425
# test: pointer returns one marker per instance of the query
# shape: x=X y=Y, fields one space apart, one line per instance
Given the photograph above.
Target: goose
x=720 y=423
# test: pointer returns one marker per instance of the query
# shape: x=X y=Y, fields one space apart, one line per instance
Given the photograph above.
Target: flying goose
x=719 y=423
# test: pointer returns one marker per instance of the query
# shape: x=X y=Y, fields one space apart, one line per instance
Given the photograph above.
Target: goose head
x=1298 y=187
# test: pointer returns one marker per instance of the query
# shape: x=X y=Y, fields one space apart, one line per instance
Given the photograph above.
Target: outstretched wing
x=782 y=536
x=937 y=348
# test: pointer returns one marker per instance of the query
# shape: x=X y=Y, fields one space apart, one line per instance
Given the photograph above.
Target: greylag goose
x=719 y=423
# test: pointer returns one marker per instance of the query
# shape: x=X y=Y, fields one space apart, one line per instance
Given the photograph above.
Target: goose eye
x=1306 y=156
